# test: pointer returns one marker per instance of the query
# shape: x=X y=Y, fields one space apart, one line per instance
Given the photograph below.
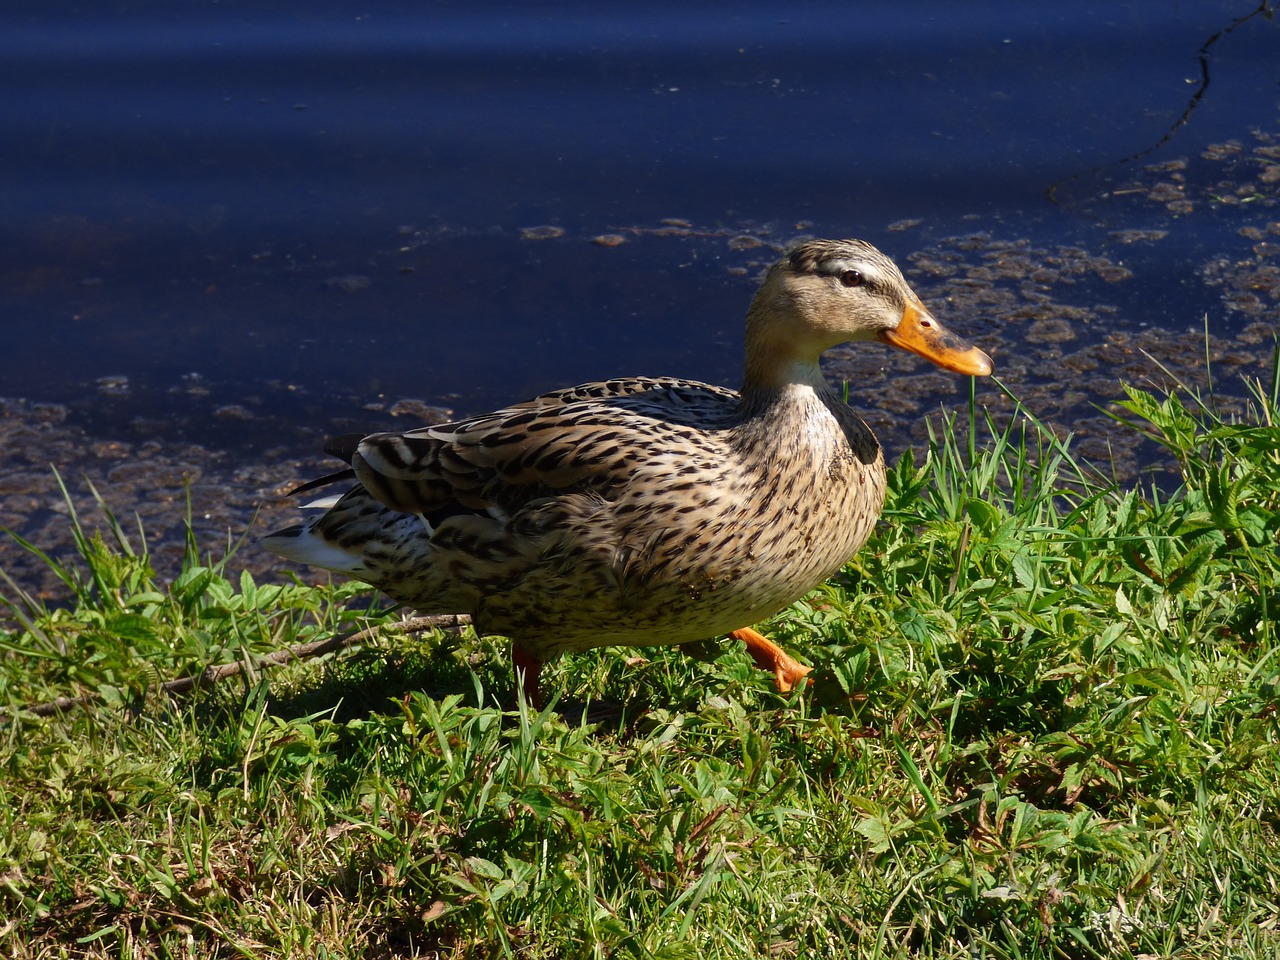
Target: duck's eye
x=851 y=278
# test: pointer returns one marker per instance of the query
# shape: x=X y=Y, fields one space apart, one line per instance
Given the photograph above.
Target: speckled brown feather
x=634 y=511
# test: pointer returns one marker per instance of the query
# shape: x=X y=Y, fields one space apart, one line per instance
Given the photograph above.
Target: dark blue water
x=305 y=208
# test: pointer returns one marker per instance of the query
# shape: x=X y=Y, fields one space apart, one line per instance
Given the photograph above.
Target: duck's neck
x=777 y=368
x=797 y=387
x=780 y=418
x=779 y=374
x=781 y=351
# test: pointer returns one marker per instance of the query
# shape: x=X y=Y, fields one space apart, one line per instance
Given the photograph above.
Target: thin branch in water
x=1266 y=9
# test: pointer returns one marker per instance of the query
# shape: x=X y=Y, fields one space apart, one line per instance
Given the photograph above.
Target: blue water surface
x=329 y=204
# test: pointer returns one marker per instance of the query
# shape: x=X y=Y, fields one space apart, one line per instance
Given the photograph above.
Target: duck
x=640 y=511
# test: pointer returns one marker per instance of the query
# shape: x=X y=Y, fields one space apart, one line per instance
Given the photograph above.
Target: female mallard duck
x=642 y=511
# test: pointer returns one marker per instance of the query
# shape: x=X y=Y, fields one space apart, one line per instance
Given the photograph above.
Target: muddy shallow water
x=1054 y=319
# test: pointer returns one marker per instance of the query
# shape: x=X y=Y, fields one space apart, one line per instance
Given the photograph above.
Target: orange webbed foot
x=771 y=657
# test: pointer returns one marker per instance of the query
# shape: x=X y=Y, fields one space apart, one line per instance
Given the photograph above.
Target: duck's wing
x=587 y=437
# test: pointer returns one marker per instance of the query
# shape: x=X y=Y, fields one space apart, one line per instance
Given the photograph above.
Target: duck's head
x=827 y=292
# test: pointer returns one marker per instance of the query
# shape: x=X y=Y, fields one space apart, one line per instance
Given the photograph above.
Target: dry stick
x=212 y=674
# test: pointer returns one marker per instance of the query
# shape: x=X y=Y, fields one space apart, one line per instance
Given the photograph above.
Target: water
x=192 y=189
x=244 y=225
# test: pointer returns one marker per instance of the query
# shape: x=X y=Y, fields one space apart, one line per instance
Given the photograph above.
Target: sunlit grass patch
x=1043 y=724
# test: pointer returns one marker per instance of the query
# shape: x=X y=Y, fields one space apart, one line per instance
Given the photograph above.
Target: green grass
x=1044 y=724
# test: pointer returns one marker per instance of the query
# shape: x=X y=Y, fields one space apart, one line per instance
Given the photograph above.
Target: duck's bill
x=921 y=334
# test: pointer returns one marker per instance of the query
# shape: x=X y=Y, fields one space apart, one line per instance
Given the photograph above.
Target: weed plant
x=1043 y=724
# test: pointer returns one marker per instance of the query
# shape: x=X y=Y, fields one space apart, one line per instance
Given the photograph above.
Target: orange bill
x=920 y=333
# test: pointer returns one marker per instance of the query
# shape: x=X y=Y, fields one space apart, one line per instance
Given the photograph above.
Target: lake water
x=234 y=227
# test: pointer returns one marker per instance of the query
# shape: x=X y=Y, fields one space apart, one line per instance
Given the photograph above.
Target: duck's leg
x=769 y=656
x=527 y=668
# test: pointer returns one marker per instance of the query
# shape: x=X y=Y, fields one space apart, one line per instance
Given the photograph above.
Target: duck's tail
x=355 y=535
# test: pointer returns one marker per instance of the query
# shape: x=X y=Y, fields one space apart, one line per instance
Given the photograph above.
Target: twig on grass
x=221 y=671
